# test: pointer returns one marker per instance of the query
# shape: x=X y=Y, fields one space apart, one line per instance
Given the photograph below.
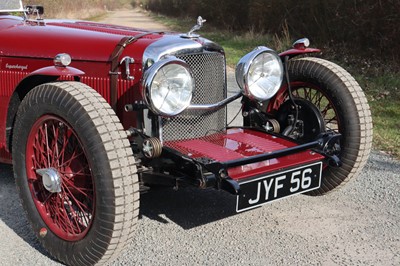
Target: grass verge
x=383 y=93
x=380 y=82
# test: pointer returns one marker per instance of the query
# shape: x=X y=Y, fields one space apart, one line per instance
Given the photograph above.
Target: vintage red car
x=93 y=114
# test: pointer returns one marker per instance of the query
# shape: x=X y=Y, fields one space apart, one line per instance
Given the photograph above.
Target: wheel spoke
x=55 y=145
x=314 y=95
x=80 y=172
x=40 y=150
x=47 y=198
x=79 y=205
x=326 y=109
x=74 y=156
x=56 y=149
x=47 y=145
x=71 y=215
x=69 y=184
x=63 y=214
x=320 y=101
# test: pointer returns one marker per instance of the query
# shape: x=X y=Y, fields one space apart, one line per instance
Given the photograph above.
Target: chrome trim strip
x=176 y=45
x=214 y=106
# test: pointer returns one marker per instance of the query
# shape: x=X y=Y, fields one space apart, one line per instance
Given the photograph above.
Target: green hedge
x=370 y=25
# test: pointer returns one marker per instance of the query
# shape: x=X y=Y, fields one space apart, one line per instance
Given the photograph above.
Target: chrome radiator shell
x=207 y=61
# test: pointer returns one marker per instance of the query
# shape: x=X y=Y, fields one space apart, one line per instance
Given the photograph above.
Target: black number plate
x=262 y=190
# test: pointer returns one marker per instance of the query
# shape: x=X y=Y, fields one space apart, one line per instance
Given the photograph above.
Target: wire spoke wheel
x=66 y=200
x=342 y=105
x=313 y=94
x=75 y=173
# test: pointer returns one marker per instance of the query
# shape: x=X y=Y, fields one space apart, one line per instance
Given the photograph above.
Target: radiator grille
x=209 y=74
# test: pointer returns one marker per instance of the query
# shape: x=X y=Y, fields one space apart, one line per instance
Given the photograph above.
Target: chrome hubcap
x=51 y=179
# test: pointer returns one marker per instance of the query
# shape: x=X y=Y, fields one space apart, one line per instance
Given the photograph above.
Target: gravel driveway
x=358 y=225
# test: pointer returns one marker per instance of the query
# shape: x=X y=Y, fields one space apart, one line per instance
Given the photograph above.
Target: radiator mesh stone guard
x=209 y=75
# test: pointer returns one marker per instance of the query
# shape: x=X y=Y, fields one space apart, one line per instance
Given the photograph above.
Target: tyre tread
x=96 y=114
x=338 y=74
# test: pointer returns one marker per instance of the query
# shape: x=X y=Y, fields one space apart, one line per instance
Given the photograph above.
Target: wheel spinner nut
x=51 y=179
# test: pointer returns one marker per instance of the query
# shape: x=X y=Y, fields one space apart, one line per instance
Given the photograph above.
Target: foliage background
x=361 y=35
x=371 y=26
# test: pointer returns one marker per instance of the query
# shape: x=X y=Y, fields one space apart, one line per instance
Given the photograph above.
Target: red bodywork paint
x=28 y=49
x=240 y=143
x=294 y=52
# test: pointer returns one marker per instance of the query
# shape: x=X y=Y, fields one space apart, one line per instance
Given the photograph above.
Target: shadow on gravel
x=381 y=163
x=187 y=207
x=11 y=211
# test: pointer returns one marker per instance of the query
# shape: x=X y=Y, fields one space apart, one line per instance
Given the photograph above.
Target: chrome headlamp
x=259 y=74
x=168 y=86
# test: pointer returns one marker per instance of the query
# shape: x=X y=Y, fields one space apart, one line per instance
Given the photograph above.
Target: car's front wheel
x=75 y=173
x=329 y=99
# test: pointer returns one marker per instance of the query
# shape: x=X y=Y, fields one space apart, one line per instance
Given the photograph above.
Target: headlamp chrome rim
x=148 y=79
x=244 y=65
